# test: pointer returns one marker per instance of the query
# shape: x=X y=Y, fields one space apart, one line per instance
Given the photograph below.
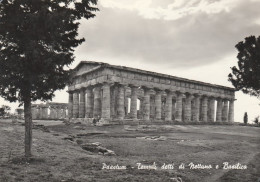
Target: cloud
x=139 y=32
x=171 y=10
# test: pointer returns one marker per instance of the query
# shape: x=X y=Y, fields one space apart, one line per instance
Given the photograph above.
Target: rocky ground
x=78 y=153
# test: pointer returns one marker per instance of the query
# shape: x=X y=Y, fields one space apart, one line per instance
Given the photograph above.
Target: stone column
x=219 y=110
x=158 y=105
x=82 y=104
x=34 y=112
x=51 y=112
x=106 y=101
x=231 y=111
x=204 y=109
x=179 y=103
x=174 y=107
x=121 y=102
x=133 y=107
x=70 y=105
x=97 y=102
x=40 y=111
x=212 y=109
x=45 y=112
x=196 y=113
x=113 y=101
x=225 y=111
x=187 y=112
x=58 y=110
x=168 y=105
x=63 y=112
x=141 y=108
x=75 y=104
x=126 y=104
x=146 y=103
x=89 y=102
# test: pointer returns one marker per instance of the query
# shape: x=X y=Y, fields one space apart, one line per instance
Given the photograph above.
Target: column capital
x=204 y=96
x=97 y=87
x=170 y=93
x=150 y=89
x=211 y=97
x=76 y=91
x=225 y=99
x=120 y=84
x=88 y=90
x=180 y=94
x=89 y=87
x=189 y=95
x=133 y=85
x=198 y=95
x=106 y=84
x=219 y=98
x=158 y=90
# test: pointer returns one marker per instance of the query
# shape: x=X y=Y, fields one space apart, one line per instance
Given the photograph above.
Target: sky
x=194 y=39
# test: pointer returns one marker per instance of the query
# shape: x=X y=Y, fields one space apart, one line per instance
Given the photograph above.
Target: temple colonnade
x=50 y=110
x=121 y=101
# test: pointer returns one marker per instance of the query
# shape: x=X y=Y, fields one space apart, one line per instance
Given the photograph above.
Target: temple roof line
x=136 y=70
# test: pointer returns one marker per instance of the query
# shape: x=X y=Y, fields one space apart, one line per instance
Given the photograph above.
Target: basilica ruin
x=117 y=93
x=50 y=110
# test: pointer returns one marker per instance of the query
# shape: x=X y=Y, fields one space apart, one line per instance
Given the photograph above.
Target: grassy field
x=59 y=153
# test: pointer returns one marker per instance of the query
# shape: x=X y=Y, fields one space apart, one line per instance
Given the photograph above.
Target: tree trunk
x=28 y=126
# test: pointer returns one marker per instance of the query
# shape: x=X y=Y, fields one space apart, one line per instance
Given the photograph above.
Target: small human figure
x=98 y=118
x=94 y=121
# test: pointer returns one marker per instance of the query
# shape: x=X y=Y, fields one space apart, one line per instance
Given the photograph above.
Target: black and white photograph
x=129 y=91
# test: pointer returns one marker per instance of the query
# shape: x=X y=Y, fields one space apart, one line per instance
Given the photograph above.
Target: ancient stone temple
x=50 y=110
x=120 y=93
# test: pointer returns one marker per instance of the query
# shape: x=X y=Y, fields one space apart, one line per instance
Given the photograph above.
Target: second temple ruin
x=50 y=110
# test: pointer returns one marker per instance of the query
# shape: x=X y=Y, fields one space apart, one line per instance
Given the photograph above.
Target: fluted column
x=179 y=103
x=45 y=112
x=70 y=105
x=187 y=111
x=219 y=110
x=106 y=101
x=89 y=101
x=55 y=111
x=146 y=104
x=63 y=113
x=40 y=112
x=34 y=112
x=126 y=104
x=231 y=111
x=196 y=113
x=168 y=105
x=51 y=112
x=75 y=104
x=141 y=108
x=212 y=109
x=82 y=103
x=225 y=111
x=121 y=102
x=174 y=107
x=158 y=105
x=58 y=112
x=204 y=109
x=97 y=102
x=133 y=107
